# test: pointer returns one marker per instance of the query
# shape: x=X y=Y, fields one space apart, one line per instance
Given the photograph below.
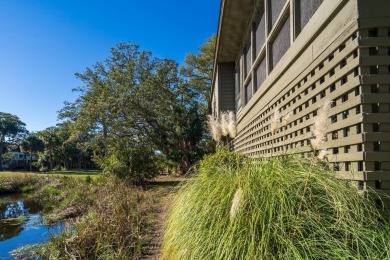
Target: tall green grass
x=290 y=208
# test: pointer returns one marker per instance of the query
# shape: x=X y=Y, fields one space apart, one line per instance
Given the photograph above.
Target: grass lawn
x=72 y=173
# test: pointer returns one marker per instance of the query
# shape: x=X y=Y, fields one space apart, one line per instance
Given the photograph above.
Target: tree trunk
x=1 y=158
x=184 y=163
x=51 y=163
x=105 y=133
x=30 y=162
x=79 y=162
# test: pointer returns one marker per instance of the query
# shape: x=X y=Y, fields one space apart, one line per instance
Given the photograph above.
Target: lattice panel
x=375 y=70
x=355 y=75
x=336 y=78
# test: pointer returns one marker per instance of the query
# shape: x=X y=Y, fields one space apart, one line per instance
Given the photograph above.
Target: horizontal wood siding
x=226 y=81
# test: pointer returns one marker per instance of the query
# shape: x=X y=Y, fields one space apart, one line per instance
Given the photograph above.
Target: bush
x=283 y=208
x=133 y=163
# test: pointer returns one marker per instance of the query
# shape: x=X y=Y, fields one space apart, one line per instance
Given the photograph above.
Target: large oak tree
x=135 y=99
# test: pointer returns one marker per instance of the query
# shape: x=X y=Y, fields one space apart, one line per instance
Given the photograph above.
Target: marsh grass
x=19 y=184
x=290 y=208
x=113 y=227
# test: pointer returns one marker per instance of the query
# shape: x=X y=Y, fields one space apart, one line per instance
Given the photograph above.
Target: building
x=18 y=160
x=291 y=56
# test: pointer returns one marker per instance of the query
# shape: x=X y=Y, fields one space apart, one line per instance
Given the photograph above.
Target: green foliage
x=11 y=129
x=113 y=227
x=132 y=162
x=28 y=188
x=57 y=168
x=7 y=158
x=15 y=184
x=133 y=97
x=32 y=145
x=198 y=69
x=50 y=191
x=284 y=208
x=61 y=150
x=88 y=179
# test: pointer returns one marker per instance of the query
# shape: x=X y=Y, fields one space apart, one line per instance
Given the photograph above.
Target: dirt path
x=162 y=188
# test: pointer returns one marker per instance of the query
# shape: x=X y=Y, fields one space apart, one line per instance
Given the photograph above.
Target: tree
x=134 y=98
x=51 y=141
x=32 y=145
x=198 y=69
x=10 y=128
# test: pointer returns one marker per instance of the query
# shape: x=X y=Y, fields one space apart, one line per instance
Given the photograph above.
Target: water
x=21 y=224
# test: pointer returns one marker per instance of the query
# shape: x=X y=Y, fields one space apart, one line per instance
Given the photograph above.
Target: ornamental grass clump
x=283 y=208
x=224 y=126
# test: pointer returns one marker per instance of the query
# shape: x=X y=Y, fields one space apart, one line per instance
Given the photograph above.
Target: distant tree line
x=136 y=115
x=51 y=147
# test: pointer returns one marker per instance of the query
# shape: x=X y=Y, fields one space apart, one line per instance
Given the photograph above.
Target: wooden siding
x=342 y=55
x=226 y=81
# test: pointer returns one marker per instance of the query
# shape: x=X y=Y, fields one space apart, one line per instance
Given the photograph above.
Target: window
x=306 y=10
x=260 y=30
x=261 y=73
x=281 y=43
x=248 y=91
x=238 y=87
x=247 y=58
x=275 y=9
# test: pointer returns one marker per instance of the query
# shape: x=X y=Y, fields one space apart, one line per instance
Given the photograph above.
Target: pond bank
x=127 y=217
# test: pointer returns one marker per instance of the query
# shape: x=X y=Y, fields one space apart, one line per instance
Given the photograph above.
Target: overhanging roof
x=234 y=16
x=233 y=19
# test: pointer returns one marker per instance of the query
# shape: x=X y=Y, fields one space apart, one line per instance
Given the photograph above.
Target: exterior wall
x=374 y=50
x=226 y=86
x=342 y=54
x=223 y=98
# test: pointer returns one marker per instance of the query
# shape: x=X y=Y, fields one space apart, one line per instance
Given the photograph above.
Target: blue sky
x=43 y=43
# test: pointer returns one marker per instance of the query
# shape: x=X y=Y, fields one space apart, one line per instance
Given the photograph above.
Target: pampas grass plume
x=320 y=125
x=236 y=203
x=215 y=128
x=287 y=118
x=323 y=154
x=232 y=125
x=275 y=121
x=224 y=123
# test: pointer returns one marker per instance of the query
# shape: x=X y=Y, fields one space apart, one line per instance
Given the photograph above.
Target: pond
x=21 y=224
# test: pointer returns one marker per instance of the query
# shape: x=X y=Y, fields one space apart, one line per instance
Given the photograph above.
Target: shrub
x=134 y=163
x=283 y=208
x=88 y=179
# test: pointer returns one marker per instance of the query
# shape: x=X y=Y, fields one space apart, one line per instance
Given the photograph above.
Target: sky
x=43 y=43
